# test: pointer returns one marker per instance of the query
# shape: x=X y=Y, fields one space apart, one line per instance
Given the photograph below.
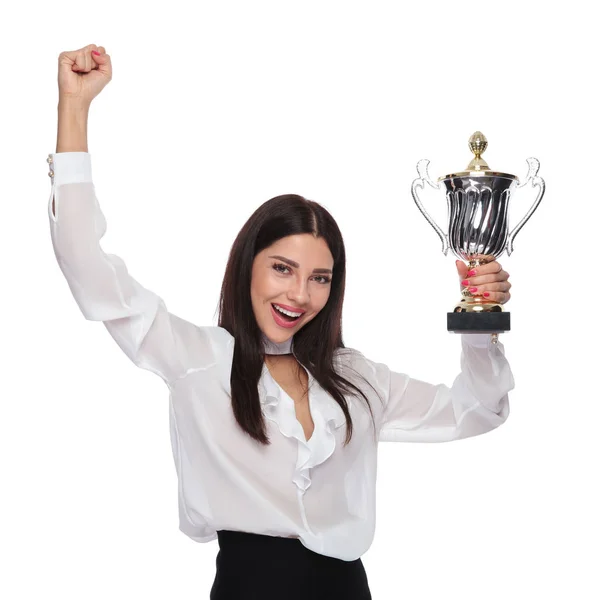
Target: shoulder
x=351 y=361
x=219 y=340
x=347 y=357
x=371 y=378
x=204 y=345
x=351 y=357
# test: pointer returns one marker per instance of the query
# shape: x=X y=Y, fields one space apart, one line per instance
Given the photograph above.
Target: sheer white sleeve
x=135 y=317
x=475 y=403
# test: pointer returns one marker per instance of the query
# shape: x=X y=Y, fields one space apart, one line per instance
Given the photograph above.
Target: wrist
x=74 y=103
x=72 y=128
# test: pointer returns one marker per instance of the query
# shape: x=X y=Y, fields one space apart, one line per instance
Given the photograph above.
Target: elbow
x=98 y=303
x=503 y=414
x=103 y=289
x=482 y=420
x=499 y=416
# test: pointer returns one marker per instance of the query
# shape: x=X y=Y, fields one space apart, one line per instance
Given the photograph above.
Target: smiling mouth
x=288 y=316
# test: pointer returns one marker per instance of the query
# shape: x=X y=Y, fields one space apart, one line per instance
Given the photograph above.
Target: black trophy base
x=483 y=322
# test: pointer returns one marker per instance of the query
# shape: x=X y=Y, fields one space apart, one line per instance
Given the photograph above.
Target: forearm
x=485 y=372
x=72 y=127
x=477 y=401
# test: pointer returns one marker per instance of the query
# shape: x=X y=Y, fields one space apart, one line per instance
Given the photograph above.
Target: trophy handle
x=536 y=181
x=420 y=182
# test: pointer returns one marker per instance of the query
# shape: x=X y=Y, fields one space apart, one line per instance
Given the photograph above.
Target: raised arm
x=475 y=403
x=135 y=317
x=477 y=400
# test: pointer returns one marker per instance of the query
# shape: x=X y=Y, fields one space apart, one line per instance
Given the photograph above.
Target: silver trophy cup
x=478 y=228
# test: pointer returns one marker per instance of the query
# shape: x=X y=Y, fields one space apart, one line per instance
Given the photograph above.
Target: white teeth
x=287 y=312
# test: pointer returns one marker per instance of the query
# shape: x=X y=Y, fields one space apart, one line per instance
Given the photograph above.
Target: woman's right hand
x=82 y=75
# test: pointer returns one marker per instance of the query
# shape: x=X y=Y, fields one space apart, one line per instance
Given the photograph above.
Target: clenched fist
x=489 y=281
x=83 y=73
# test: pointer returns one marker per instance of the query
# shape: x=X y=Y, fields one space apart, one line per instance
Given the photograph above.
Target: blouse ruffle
x=327 y=416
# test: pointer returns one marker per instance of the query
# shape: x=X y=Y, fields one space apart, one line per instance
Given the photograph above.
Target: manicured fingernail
x=486 y=294
x=471 y=273
x=473 y=289
x=96 y=53
x=465 y=282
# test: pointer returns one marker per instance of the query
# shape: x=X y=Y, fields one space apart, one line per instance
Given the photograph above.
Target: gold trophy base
x=474 y=315
x=474 y=304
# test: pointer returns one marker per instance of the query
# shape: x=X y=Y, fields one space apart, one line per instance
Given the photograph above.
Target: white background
x=215 y=108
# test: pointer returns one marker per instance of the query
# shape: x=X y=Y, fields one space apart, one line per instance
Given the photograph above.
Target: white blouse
x=319 y=491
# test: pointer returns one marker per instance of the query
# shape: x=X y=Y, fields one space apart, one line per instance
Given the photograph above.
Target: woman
x=274 y=423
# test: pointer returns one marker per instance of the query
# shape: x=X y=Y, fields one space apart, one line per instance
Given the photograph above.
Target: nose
x=298 y=292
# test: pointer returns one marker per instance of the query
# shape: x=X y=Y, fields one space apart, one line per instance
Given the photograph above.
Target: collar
x=277 y=348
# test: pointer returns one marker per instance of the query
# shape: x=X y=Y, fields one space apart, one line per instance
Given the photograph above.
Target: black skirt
x=252 y=566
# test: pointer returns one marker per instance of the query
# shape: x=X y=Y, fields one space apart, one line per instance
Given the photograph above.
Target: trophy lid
x=478 y=167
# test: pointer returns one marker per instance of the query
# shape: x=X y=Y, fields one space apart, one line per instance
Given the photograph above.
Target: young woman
x=274 y=423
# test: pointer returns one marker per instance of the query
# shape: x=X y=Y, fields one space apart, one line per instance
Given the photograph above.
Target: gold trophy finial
x=477 y=144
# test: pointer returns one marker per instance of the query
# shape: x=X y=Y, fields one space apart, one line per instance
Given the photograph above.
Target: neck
x=277 y=348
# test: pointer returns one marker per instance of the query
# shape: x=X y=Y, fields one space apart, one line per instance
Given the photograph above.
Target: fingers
x=502 y=286
x=489 y=281
x=81 y=60
x=496 y=292
x=102 y=63
x=488 y=269
x=488 y=273
x=483 y=279
x=79 y=65
x=499 y=297
x=462 y=269
x=88 y=61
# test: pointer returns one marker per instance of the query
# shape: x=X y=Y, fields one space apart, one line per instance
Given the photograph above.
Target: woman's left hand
x=489 y=281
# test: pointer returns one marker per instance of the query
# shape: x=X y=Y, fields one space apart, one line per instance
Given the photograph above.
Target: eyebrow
x=293 y=263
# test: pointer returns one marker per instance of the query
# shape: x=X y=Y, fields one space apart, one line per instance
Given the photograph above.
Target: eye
x=280 y=268
x=284 y=270
x=323 y=279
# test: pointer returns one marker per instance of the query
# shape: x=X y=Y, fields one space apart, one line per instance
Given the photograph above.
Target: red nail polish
x=471 y=273
x=486 y=294
x=472 y=289
x=465 y=282
x=96 y=53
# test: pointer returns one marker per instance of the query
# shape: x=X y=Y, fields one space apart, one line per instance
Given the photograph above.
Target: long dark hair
x=315 y=343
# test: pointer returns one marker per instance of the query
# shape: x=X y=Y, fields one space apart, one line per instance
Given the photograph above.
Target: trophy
x=478 y=228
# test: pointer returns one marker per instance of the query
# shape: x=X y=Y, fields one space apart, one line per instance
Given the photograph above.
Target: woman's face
x=294 y=275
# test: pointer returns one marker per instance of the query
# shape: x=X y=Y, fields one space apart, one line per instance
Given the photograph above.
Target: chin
x=278 y=336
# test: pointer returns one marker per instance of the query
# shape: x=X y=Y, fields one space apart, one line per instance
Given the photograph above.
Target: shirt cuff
x=478 y=340
x=70 y=167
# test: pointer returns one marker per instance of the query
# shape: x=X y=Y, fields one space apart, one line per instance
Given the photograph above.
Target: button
x=49 y=159
x=51 y=174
